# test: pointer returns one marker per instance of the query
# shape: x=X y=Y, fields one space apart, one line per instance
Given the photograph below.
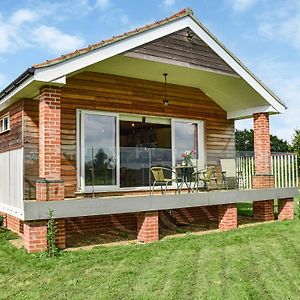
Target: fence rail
x=284 y=168
x=11 y=182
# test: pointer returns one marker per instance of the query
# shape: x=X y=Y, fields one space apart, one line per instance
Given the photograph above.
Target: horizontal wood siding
x=31 y=147
x=12 y=139
x=121 y=94
x=176 y=47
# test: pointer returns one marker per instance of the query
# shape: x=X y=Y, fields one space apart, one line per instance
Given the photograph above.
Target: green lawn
x=258 y=262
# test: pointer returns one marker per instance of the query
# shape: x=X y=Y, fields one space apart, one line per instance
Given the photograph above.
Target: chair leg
x=152 y=188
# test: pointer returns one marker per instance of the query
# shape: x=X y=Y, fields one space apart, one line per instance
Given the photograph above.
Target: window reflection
x=100 y=150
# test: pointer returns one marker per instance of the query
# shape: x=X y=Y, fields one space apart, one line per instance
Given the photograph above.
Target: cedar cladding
x=103 y=92
x=12 y=139
x=177 y=48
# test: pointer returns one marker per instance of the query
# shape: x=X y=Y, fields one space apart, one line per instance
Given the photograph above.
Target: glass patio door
x=188 y=135
x=99 y=146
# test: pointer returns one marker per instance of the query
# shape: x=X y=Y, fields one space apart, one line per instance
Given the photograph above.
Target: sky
x=263 y=34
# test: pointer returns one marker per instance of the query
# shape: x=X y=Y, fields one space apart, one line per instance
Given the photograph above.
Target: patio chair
x=161 y=179
x=230 y=174
x=206 y=176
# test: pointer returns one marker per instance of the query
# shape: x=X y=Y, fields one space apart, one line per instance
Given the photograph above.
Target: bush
x=1 y=220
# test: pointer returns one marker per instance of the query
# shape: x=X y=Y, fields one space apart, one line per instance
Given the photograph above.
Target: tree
x=296 y=146
x=244 y=141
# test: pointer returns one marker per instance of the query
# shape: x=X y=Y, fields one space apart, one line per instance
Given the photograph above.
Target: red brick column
x=227 y=216
x=49 y=187
x=147 y=227
x=285 y=209
x=262 y=210
x=35 y=235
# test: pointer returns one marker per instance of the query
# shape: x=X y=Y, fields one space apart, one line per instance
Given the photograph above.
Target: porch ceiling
x=232 y=93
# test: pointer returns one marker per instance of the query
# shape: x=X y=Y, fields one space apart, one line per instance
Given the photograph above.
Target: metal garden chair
x=161 y=179
x=230 y=173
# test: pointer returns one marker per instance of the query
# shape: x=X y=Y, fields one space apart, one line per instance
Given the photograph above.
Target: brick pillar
x=227 y=216
x=263 y=179
x=35 y=235
x=50 y=186
x=147 y=227
x=263 y=210
x=285 y=209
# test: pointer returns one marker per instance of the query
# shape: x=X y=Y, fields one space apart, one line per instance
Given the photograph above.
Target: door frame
x=80 y=141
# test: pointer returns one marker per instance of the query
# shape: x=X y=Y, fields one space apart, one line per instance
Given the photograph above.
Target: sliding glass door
x=99 y=151
x=118 y=150
x=187 y=135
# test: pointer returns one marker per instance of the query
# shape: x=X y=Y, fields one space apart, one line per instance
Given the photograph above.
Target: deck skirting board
x=35 y=210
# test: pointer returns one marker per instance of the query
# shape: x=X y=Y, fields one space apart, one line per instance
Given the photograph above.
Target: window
x=4 y=124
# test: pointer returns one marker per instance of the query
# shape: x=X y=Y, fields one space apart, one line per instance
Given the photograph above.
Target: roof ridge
x=182 y=13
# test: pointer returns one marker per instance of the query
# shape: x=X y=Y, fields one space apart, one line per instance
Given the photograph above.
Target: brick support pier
x=285 y=209
x=263 y=179
x=49 y=187
x=227 y=216
x=147 y=227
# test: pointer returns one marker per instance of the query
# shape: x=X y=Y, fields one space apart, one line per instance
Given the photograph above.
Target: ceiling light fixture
x=166 y=101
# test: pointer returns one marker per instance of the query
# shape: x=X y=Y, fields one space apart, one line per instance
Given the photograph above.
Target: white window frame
x=5 y=117
x=81 y=150
x=80 y=147
x=201 y=162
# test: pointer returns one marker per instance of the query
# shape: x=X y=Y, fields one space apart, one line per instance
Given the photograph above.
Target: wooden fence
x=284 y=169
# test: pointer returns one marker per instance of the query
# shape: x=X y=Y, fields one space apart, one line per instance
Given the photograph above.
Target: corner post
x=50 y=186
x=263 y=179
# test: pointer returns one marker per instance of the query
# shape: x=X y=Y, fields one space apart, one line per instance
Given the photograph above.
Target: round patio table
x=186 y=172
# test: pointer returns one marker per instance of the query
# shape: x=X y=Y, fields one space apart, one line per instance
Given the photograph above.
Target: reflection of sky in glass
x=100 y=133
x=184 y=138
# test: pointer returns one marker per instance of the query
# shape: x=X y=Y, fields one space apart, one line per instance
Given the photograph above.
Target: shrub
x=52 y=249
x=1 y=220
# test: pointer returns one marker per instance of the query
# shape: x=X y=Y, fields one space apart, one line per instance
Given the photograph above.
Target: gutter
x=25 y=75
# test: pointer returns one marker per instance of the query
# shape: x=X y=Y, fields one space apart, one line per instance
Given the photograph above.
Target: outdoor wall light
x=189 y=35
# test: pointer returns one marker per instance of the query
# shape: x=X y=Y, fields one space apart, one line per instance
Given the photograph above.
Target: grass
x=258 y=262
x=245 y=209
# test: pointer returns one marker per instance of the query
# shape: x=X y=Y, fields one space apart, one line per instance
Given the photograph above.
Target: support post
x=49 y=187
x=262 y=210
x=147 y=227
x=285 y=209
x=227 y=216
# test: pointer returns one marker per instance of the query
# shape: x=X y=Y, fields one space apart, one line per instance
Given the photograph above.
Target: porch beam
x=35 y=210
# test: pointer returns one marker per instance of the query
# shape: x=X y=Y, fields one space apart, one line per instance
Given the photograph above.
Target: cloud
x=12 y=29
x=54 y=40
x=282 y=23
x=102 y=4
x=24 y=28
x=240 y=6
x=168 y=3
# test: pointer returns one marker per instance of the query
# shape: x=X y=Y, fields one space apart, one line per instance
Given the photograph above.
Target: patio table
x=186 y=176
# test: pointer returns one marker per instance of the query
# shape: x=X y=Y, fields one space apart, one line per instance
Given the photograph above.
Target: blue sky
x=264 y=34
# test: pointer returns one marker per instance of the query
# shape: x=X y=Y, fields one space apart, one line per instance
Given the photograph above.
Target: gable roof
x=54 y=71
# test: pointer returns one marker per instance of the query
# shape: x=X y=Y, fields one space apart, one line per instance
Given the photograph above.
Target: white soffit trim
x=69 y=66
x=235 y=65
x=16 y=90
x=51 y=73
x=244 y=113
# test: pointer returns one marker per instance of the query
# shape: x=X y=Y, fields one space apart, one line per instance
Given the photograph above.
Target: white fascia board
x=248 y=112
x=235 y=65
x=16 y=90
x=82 y=61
